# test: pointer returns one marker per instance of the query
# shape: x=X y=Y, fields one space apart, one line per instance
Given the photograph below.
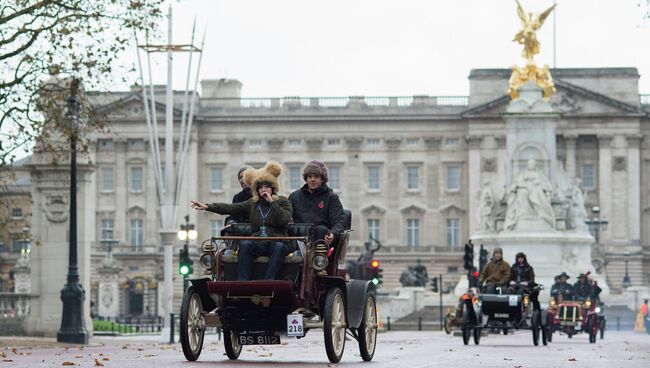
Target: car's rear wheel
x=231 y=344
x=591 y=330
x=368 y=329
x=534 y=326
x=449 y=318
x=467 y=331
x=549 y=329
x=477 y=336
x=601 y=327
x=334 y=325
x=192 y=325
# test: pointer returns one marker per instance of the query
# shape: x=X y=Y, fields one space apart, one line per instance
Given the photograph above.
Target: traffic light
x=434 y=284
x=482 y=259
x=375 y=272
x=473 y=278
x=184 y=262
x=468 y=259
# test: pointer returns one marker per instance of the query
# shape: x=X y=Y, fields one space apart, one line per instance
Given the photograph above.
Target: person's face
x=314 y=181
x=241 y=180
x=563 y=279
x=497 y=256
x=520 y=260
x=582 y=280
x=265 y=188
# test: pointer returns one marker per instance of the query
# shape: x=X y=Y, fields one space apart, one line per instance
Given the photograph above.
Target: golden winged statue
x=527 y=36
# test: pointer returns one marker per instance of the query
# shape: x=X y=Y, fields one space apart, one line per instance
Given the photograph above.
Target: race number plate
x=512 y=301
x=295 y=325
x=257 y=339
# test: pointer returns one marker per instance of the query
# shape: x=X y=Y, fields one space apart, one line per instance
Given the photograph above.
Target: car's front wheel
x=368 y=329
x=534 y=326
x=334 y=324
x=192 y=324
x=231 y=344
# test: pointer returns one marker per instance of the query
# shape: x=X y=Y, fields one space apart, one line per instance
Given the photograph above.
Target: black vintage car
x=503 y=312
x=311 y=293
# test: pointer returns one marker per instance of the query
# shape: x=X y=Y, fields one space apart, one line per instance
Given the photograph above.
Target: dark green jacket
x=276 y=222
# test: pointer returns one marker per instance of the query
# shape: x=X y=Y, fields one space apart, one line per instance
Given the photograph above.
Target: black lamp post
x=73 y=329
x=186 y=234
x=596 y=223
x=626 y=279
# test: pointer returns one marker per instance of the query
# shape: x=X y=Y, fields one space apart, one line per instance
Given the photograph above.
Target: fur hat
x=315 y=167
x=269 y=173
x=497 y=250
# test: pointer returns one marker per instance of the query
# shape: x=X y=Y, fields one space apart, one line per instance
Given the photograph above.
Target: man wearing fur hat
x=317 y=204
x=522 y=276
x=242 y=196
x=269 y=215
x=496 y=272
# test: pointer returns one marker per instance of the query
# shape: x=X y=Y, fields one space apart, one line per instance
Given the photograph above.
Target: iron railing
x=295 y=102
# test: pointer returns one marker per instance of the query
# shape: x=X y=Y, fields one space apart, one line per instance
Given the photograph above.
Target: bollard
x=388 y=323
x=419 y=323
x=171 y=328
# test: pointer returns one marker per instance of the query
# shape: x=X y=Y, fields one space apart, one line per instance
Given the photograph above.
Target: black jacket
x=582 y=291
x=564 y=289
x=322 y=207
x=526 y=273
x=240 y=197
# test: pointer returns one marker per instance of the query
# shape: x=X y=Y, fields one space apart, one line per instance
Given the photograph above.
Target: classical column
x=633 y=188
x=474 y=178
x=121 y=190
x=432 y=182
x=353 y=183
x=605 y=179
x=394 y=190
x=570 y=167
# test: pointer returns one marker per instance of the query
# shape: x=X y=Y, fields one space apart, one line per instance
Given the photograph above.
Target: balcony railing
x=14 y=305
x=366 y=102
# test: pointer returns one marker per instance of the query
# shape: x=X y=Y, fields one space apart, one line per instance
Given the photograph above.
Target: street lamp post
x=595 y=223
x=73 y=329
x=186 y=234
x=626 y=278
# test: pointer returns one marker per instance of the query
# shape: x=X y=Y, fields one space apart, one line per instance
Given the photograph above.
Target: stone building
x=409 y=168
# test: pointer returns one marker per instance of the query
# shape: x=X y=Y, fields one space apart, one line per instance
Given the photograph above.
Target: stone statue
x=407 y=278
x=528 y=35
x=486 y=210
x=420 y=273
x=576 y=213
x=529 y=196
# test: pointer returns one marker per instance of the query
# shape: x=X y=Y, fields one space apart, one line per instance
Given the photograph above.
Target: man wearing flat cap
x=496 y=272
x=317 y=204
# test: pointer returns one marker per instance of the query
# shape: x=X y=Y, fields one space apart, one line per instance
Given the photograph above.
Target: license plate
x=295 y=325
x=501 y=315
x=256 y=339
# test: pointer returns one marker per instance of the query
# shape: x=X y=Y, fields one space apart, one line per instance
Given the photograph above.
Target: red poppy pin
x=321 y=204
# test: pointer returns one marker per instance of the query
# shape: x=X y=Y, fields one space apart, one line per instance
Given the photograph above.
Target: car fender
x=544 y=317
x=201 y=287
x=356 y=300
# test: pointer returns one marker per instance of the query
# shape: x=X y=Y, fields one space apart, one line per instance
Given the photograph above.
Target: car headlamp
x=598 y=309
x=587 y=303
x=319 y=262
x=551 y=302
x=208 y=261
x=526 y=299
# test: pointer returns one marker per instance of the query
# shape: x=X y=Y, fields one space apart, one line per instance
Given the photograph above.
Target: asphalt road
x=395 y=349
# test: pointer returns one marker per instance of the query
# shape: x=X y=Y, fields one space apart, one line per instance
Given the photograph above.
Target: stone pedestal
x=22 y=275
x=549 y=253
x=108 y=292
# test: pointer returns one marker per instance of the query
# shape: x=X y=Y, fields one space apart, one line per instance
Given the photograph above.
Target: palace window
x=453 y=232
x=215 y=227
x=374 y=230
x=107 y=179
x=295 y=177
x=107 y=229
x=413 y=177
x=373 y=177
x=136 y=179
x=413 y=232
x=137 y=232
x=588 y=176
x=453 y=178
x=216 y=179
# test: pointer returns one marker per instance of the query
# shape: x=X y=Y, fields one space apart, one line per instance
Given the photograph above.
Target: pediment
x=413 y=209
x=451 y=209
x=570 y=99
x=131 y=106
x=373 y=209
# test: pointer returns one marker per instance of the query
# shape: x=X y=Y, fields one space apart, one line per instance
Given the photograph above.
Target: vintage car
x=503 y=312
x=311 y=293
x=454 y=317
x=572 y=317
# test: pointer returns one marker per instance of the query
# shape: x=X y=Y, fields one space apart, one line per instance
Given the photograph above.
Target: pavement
x=395 y=349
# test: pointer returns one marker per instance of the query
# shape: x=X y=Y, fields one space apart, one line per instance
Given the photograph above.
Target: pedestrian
x=269 y=216
x=317 y=204
x=245 y=194
x=646 y=316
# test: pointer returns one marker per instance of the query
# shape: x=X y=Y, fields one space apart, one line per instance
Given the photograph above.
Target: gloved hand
x=512 y=282
x=525 y=283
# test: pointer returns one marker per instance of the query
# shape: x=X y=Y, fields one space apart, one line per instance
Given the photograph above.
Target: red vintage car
x=311 y=293
x=572 y=317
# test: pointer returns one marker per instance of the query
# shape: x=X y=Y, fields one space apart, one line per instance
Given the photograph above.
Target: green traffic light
x=375 y=281
x=184 y=270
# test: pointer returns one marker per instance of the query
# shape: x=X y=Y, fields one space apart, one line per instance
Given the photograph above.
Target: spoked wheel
x=534 y=326
x=448 y=321
x=477 y=336
x=549 y=329
x=231 y=344
x=368 y=329
x=467 y=331
x=601 y=326
x=591 y=330
x=334 y=325
x=192 y=325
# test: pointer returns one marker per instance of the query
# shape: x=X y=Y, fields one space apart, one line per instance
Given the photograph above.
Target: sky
x=394 y=48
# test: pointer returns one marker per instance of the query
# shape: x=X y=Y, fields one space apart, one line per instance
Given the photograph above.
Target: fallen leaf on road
x=572 y=360
x=3 y=354
x=265 y=355
x=7 y=360
x=13 y=350
x=150 y=355
x=140 y=349
x=507 y=358
x=98 y=363
x=105 y=359
x=68 y=363
x=78 y=356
